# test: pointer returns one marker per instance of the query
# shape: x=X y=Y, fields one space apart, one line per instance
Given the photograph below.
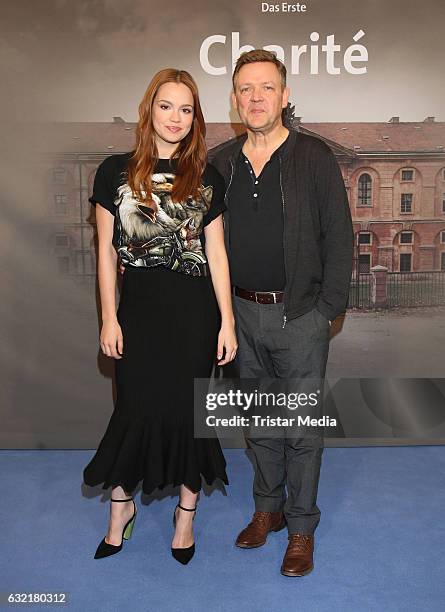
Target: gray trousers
x=299 y=350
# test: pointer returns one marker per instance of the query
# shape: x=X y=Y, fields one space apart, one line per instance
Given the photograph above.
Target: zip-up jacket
x=318 y=235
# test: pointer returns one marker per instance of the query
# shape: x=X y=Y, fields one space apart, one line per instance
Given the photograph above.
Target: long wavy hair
x=191 y=151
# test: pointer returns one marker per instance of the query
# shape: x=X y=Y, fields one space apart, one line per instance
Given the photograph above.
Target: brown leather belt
x=261 y=297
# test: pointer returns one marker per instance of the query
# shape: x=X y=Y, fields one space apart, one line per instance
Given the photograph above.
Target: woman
x=166 y=227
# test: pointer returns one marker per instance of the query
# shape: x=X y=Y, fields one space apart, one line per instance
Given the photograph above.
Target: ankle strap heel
x=104 y=549
x=183 y=555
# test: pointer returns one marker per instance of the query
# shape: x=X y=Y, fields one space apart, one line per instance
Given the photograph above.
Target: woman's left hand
x=226 y=340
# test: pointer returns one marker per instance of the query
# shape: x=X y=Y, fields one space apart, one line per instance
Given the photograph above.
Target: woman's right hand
x=111 y=339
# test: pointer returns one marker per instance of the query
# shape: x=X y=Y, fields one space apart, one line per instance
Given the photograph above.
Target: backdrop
x=365 y=77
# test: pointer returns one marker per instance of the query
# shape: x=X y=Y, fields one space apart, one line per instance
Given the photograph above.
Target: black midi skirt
x=170 y=323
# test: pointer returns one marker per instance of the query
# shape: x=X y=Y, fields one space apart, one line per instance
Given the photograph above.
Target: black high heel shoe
x=183 y=555
x=104 y=549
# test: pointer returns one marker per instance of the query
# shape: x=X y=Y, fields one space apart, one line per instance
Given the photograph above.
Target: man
x=289 y=238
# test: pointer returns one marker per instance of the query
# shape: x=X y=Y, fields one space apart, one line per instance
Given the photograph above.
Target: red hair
x=191 y=151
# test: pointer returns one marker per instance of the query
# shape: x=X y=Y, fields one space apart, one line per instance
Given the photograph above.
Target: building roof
x=380 y=137
x=79 y=137
x=416 y=136
x=119 y=136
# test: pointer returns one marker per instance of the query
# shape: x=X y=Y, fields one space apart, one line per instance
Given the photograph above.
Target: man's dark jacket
x=318 y=235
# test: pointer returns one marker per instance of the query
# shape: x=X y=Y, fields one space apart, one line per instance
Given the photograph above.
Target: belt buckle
x=274 y=293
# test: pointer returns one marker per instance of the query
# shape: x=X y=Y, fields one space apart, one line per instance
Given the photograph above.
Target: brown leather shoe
x=255 y=534
x=298 y=560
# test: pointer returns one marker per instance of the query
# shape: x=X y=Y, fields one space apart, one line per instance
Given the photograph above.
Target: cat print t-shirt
x=171 y=236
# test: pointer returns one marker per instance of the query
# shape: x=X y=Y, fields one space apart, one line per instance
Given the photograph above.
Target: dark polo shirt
x=256 y=226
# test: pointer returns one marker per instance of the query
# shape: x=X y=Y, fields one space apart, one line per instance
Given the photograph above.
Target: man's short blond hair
x=260 y=55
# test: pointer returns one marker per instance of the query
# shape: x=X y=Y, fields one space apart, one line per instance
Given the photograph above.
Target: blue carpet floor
x=380 y=544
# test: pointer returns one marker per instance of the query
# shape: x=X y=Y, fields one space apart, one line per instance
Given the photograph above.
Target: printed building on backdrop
x=394 y=174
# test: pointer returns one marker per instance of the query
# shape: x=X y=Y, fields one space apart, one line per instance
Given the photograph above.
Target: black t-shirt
x=257 y=226
x=172 y=236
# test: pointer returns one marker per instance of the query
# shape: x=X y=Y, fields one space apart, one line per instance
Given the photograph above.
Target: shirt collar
x=278 y=150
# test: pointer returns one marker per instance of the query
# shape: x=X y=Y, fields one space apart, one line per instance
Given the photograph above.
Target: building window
x=63 y=264
x=364 y=190
x=405 y=262
x=59 y=175
x=61 y=240
x=406 y=203
x=364 y=263
x=443 y=174
x=443 y=202
x=442 y=237
x=406 y=238
x=407 y=175
x=442 y=261
x=364 y=238
x=61 y=202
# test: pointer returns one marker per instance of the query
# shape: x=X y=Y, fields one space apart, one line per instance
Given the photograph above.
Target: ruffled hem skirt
x=170 y=324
